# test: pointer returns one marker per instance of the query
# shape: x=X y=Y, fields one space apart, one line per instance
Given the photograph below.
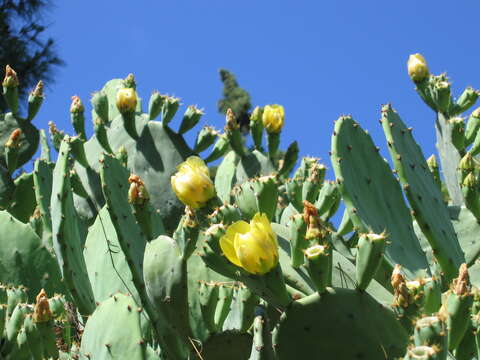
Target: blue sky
x=319 y=59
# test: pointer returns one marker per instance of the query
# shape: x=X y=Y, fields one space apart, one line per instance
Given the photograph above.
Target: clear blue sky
x=320 y=59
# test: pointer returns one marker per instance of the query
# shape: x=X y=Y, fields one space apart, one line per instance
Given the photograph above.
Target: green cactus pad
x=28 y=140
x=467 y=229
x=373 y=196
x=257 y=195
x=67 y=238
x=7 y=187
x=114 y=331
x=425 y=198
x=131 y=238
x=43 y=179
x=319 y=324
x=15 y=322
x=26 y=262
x=252 y=165
x=262 y=348
x=343 y=272
x=23 y=203
x=431 y=331
x=225 y=176
x=449 y=158
x=241 y=312
x=165 y=273
x=101 y=248
x=201 y=316
x=15 y=296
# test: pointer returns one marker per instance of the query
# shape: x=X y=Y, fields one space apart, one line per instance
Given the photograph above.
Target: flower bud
x=205 y=137
x=11 y=150
x=122 y=155
x=170 y=106
x=442 y=94
x=466 y=100
x=273 y=118
x=251 y=246
x=41 y=312
x=192 y=183
x=35 y=100
x=232 y=131
x=10 y=89
x=155 y=105
x=129 y=82
x=100 y=105
x=55 y=135
x=10 y=79
x=417 y=67
x=289 y=160
x=256 y=116
x=126 y=100
x=77 y=105
x=14 y=139
x=137 y=193
x=190 y=119
x=77 y=116
x=256 y=127
x=458 y=132
x=461 y=285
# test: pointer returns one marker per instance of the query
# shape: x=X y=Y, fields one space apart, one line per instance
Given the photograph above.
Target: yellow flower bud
x=273 y=118
x=251 y=246
x=192 y=183
x=126 y=100
x=417 y=67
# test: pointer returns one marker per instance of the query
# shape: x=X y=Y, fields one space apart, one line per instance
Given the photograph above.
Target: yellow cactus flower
x=417 y=67
x=192 y=183
x=251 y=246
x=126 y=100
x=273 y=118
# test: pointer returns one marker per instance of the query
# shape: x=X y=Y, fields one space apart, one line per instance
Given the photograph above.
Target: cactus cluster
x=132 y=245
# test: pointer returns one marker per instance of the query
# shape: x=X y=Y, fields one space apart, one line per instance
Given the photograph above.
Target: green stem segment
x=319 y=266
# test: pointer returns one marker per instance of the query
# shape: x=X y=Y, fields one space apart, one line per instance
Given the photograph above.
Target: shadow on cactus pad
x=320 y=324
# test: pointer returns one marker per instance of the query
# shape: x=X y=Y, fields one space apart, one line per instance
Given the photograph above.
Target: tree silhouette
x=22 y=45
x=235 y=98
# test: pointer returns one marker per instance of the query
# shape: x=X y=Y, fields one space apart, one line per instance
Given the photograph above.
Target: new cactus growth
x=369 y=257
x=10 y=89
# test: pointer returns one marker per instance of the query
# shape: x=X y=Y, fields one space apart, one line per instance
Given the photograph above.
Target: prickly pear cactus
x=131 y=244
